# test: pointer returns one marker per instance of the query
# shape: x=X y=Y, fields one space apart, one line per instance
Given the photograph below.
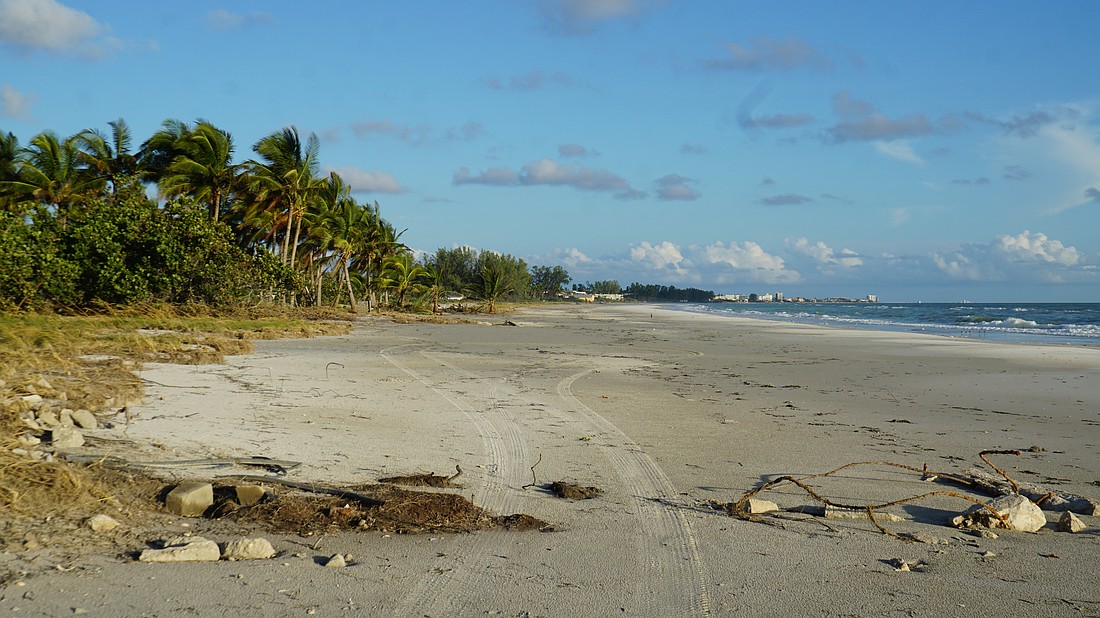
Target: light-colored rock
x=247 y=495
x=101 y=523
x=835 y=512
x=756 y=506
x=65 y=418
x=32 y=400
x=190 y=499
x=26 y=440
x=30 y=421
x=84 y=419
x=66 y=437
x=1071 y=523
x=1020 y=513
x=189 y=549
x=248 y=549
x=48 y=419
x=336 y=561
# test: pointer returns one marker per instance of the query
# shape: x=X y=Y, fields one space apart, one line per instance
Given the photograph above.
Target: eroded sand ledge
x=663 y=410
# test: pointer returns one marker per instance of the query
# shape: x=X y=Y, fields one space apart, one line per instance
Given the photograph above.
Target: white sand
x=665 y=411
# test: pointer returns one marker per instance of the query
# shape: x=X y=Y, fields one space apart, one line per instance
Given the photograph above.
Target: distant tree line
x=609 y=286
x=78 y=228
x=669 y=293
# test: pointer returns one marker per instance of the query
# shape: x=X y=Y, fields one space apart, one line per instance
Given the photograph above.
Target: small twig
x=1008 y=478
x=534 y=480
x=331 y=364
x=458 y=473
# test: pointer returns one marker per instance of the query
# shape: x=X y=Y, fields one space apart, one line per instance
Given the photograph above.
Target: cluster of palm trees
x=278 y=202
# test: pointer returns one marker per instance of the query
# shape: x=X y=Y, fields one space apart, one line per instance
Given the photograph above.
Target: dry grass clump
x=403 y=512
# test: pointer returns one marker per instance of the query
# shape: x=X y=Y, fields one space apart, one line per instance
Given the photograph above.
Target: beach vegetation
x=548 y=281
x=87 y=221
x=667 y=293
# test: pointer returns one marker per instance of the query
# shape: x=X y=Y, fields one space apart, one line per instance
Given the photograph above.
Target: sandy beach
x=669 y=413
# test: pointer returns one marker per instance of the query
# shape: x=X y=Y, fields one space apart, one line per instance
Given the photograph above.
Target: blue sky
x=918 y=151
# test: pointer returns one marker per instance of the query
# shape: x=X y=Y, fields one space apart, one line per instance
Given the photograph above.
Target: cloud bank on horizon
x=815 y=149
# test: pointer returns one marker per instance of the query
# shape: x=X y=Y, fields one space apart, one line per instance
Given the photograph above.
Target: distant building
x=779 y=297
x=872 y=298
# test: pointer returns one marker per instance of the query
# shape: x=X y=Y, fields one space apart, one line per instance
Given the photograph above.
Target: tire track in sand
x=450 y=591
x=676 y=570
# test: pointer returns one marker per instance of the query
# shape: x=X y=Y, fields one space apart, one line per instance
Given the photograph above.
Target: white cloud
x=674 y=187
x=770 y=54
x=575 y=150
x=1028 y=247
x=861 y=121
x=548 y=172
x=225 y=20
x=1077 y=151
x=693 y=149
x=959 y=266
x=419 y=135
x=1025 y=257
x=51 y=26
x=824 y=254
x=659 y=256
x=900 y=151
x=748 y=261
x=571 y=17
x=370 y=182
x=15 y=104
x=1023 y=263
x=899 y=216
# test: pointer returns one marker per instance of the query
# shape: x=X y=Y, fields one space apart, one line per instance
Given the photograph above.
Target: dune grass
x=89 y=361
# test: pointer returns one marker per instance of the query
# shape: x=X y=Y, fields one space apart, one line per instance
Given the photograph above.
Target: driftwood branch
x=317 y=489
x=534 y=480
x=1049 y=500
x=1015 y=485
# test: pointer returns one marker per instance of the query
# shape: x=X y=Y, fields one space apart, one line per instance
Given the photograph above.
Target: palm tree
x=495 y=281
x=158 y=152
x=336 y=231
x=51 y=172
x=108 y=157
x=286 y=180
x=435 y=279
x=10 y=157
x=202 y=167
x=402 y=275
x=382 y=243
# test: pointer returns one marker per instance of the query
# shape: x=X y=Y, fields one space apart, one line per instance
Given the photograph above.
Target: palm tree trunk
x=215 y=204
x=351 y=293
x=297 y=234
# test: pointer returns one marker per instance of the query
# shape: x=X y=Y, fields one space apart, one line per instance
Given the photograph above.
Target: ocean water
x=1049 y=323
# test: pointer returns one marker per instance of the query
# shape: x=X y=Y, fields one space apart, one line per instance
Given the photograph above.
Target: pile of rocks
x=48 y=424
x=199 y=549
